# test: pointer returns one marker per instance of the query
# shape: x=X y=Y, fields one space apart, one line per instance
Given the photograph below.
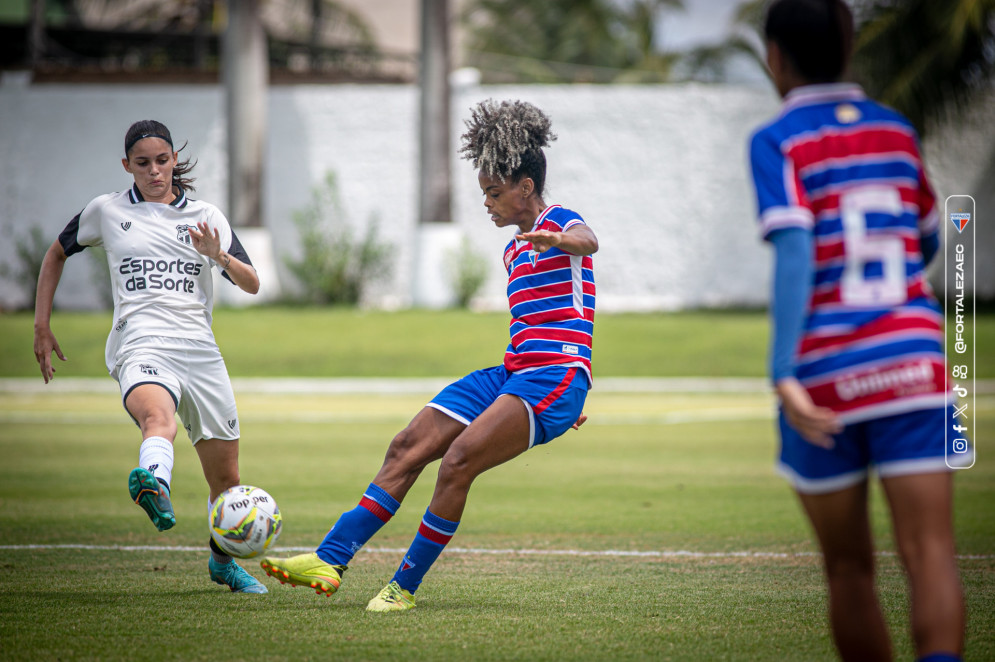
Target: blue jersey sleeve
x=781 y=201
x=789 y=302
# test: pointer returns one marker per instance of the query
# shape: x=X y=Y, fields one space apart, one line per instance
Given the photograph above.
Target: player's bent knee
x=403 y=442
x=456 y=470
x=159 y=424
x=408 y=451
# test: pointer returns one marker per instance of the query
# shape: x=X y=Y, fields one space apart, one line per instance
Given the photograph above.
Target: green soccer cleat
x=153 y=497
x=305 y=570
x=234 y=577
x=392 y=598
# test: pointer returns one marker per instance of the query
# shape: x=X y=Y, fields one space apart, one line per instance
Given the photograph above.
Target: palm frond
x=927 y=59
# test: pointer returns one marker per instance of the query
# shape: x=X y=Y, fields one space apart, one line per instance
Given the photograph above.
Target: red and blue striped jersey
x=551 y=297
x=849 y=170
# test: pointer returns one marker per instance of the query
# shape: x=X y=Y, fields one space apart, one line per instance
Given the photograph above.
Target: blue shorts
x=554 y=397
x=909 y=443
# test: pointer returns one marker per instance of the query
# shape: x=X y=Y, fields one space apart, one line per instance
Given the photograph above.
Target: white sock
x=156 y=455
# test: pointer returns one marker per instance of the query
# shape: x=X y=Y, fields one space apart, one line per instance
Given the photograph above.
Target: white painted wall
x=659 y=172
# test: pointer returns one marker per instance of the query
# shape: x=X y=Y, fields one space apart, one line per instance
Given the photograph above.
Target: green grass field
x=330 y=342
x=656 y=474
x=657 y=532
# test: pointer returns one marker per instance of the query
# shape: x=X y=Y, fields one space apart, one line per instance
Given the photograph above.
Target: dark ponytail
x=815 y=35
x=153 y=129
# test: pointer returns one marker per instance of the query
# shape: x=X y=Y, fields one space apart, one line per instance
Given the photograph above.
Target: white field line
x=479 y=551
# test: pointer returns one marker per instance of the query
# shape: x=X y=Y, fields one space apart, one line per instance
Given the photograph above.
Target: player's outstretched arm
x=208 y=244
x=578 y=240
x=48 y=281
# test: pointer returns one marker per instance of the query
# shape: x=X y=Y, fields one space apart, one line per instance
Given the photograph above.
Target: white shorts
x=194 y=374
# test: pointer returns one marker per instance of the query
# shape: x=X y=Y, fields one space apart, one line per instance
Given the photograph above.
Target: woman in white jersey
x=161 y=247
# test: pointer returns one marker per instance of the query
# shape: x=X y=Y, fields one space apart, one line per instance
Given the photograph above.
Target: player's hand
x=45 y=344
x=206 y=242
x=580 y=421
x=541 y=240
x=815 y=424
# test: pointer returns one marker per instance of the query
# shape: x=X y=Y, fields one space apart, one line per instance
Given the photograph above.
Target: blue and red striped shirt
x=551 y=298
x=849 y=171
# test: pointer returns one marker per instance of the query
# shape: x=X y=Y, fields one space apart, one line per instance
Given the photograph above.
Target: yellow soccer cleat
x=305 y=570
x=392 y=598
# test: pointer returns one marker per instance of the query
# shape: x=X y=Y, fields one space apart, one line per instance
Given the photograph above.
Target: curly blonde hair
x=506 y=140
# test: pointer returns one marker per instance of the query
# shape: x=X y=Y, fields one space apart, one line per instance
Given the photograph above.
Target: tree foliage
x=566 y=40
x=925 y=58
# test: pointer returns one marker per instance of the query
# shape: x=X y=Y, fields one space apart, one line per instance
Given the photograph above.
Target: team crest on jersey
x=126 y=226
x=847 y=113
x=183 y=234
x=960 y=220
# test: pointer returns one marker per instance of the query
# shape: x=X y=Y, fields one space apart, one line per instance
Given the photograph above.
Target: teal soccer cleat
x=153 y=497
x=234 y=577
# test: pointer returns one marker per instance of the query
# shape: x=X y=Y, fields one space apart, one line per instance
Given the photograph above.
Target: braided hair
x=815 y=35
x=153 y=129
x=505 y=140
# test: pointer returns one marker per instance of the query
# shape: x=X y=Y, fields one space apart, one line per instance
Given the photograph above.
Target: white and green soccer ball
x=245 y=521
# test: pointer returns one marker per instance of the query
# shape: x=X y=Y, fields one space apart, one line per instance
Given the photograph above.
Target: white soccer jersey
x=162 y=286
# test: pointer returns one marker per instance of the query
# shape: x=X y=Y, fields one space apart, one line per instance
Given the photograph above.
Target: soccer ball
x=245 y=521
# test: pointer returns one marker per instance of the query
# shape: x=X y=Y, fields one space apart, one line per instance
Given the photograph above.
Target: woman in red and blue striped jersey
x=491 y=415
x=857 y=357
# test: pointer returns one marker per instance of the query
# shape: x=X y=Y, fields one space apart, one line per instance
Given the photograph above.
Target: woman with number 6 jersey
x=161 y=247
x=857 y=358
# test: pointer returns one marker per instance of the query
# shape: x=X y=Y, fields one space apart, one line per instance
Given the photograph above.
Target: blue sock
x=432 y=537
x=940 y=657
x=354 y=528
